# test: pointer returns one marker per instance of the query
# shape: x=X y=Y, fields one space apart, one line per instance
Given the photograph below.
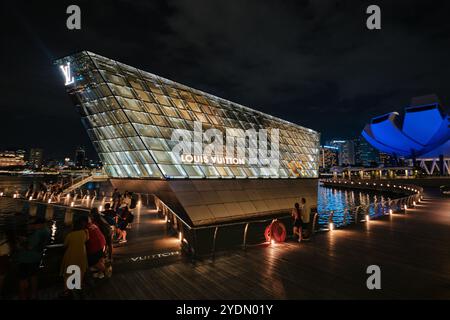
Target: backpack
x=130 y=217
x=133 y=203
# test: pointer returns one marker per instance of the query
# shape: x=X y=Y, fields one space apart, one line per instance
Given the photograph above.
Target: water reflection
x=15 y=216
x=341 y=200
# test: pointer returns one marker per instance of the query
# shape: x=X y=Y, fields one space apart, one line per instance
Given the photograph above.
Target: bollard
x=68 y=217
x=49 y=213
x=32 y=209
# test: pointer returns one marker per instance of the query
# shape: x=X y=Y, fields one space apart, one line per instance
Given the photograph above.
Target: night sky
x=310 y=62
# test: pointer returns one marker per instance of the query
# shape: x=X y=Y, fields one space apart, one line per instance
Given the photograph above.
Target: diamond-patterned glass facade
x=130 y=116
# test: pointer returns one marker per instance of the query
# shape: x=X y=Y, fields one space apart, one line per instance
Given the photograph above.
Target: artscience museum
x=421 y=134
x=209 y=159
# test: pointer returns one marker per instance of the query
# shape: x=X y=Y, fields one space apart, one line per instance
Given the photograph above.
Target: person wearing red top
x=95 y=249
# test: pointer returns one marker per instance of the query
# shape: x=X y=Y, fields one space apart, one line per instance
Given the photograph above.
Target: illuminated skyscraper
x=365 y=154
x=329 y=157
x=36 y=157
x=346 y=150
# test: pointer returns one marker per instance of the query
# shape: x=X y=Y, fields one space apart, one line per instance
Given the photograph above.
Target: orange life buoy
x=275 y=231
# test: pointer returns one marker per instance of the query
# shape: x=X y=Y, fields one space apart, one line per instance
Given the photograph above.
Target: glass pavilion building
x=131 y=116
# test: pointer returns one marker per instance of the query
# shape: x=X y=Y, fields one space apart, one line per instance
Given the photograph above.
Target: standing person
x=116 y=199
x=75 y=254
x=305 y=218
x=126 y=199
x=95 y=247
x=5 y=250
x=123 y=219
x=297 y=217
x=29 y=256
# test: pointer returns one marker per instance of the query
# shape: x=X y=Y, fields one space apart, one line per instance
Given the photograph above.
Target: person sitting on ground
x=95 y=248
x=297 y=217
x=75 y=253
x=29 y=256
x=105 y=228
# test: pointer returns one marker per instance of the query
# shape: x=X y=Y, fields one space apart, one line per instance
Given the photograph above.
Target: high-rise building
x=10 y=159
x=365 y=154
x=36 y=157
x=329 y=157
x=386 y=159
x=80 y=157
x=346 y=150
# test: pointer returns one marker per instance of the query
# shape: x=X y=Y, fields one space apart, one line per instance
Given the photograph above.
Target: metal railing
x=189 y=235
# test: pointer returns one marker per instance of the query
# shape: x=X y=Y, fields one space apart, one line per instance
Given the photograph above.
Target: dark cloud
x=310 y=62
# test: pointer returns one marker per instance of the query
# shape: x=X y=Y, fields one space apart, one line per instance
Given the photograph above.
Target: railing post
x=314 y=222
x=194 y=236
x=214 y=243
x=245 y=236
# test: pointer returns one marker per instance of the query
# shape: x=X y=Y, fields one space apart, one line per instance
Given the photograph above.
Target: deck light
x=367 y=218
x=30 y=198
x=72 y=204
x=331 y=226
x=390 y=211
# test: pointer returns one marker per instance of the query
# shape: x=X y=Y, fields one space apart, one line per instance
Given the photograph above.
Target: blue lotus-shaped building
x=422 y=132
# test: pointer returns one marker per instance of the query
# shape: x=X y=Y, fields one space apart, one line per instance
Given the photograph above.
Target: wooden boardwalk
x=413 y=251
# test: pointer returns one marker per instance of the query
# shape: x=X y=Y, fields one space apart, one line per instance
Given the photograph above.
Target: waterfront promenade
x=411 y=249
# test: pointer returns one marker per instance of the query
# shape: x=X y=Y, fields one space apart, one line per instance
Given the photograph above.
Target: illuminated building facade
x=365 y=154
x=329 y=157
x=36 y=157
x=346 y=150
x=80 y=157
x=10 y=159
x=131 y=116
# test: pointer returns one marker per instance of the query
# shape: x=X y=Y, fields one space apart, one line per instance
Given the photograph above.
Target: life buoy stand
x=275 y=231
